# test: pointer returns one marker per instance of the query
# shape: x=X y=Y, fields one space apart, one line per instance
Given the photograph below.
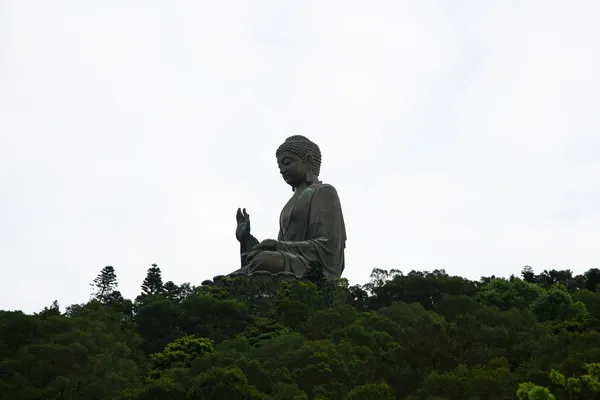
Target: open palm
x=243 y=225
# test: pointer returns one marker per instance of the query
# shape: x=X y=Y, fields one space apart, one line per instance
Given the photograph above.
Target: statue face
x=292 y=168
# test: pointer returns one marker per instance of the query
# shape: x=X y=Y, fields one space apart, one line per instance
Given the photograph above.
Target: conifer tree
x=153 y=283
x=104 y=284
x=315 y=273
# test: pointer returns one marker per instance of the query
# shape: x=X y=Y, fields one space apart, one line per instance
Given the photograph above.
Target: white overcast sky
x=461 y=134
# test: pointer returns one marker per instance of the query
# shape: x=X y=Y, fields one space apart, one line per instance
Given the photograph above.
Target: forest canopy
x=414 y=336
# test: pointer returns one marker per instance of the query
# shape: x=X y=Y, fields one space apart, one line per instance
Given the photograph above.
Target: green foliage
x=530 y=391
x=415 y=336
x=315 y=274
x=183 y=350
x=104 y=284
x=556 y=304
x=92 y=355
x=158 y=322
x=53 y=310
x=506 y=294
x=288 y=391
x=379 y=391
x=177 y=293
x=153 y=283
x=295 y=302
x=588 y=382
x=223 y=383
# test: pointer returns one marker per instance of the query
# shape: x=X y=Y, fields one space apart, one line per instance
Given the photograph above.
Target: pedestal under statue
x=311 y=224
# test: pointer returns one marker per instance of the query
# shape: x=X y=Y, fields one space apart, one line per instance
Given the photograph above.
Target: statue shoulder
x=326 y=189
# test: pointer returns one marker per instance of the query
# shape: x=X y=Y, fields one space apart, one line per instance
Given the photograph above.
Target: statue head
x=299 y=160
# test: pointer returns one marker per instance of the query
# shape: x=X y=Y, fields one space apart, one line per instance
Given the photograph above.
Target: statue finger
x=247 y=257
x=252 y=266
x=239 y=215
x=254 y=253
x=246 y=215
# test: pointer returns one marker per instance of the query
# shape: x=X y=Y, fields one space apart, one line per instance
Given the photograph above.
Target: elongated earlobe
x=309 y=177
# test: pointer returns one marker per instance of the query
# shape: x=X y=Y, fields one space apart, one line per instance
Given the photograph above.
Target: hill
x=414 y=336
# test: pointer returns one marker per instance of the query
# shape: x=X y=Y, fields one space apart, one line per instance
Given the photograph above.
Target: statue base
x=260 y=277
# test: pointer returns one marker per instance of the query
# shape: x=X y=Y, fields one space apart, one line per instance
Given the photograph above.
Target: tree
x=416 y=336
x=585 y=386
x=288 y=391
x=171 y=291
x=104 y=284
x=315 y=273
x=153 y=283
x=183 y=350
x=92 y=355
x=379 y=391
x=222 y=383
x=53 y=310
x=556 y=304
x=530 y=391
x=178 y=293
x=186 y=290
x=527 y=274
x=592 y=279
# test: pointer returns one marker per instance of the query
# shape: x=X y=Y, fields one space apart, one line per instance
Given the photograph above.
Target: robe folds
x=312 y=230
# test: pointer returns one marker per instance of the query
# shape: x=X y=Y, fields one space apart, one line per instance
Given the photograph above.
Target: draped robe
x=311 y=231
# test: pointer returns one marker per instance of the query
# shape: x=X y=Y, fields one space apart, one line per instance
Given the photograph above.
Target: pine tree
x=104 y=284
x=153 y=283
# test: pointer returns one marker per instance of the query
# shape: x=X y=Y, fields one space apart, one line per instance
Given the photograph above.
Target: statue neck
x=305 y=185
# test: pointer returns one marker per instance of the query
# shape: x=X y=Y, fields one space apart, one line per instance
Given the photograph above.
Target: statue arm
x=246 y=246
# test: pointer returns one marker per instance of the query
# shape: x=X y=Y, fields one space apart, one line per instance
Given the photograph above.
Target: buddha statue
x=311 y=224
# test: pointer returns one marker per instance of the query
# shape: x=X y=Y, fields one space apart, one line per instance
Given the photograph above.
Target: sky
x=461 y=135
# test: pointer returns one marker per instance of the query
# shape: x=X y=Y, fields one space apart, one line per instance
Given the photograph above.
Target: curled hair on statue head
x=303 y=148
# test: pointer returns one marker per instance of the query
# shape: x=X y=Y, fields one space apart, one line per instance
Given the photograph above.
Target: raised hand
x=242 y=232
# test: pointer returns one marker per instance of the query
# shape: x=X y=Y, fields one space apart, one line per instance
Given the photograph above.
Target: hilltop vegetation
x=414 y=336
